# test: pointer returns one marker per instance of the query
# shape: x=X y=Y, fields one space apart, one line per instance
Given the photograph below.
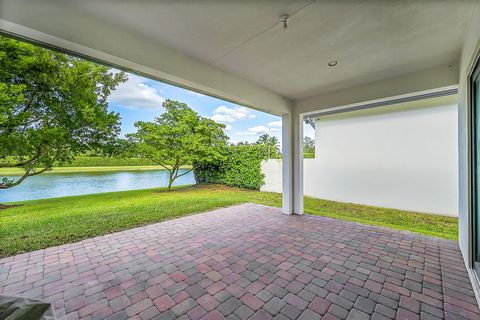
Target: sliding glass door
x=475 y=102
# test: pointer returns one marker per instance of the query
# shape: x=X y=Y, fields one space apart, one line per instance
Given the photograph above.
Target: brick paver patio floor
x=248 y=262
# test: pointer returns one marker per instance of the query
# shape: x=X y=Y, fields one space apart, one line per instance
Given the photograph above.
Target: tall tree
x=179 y=137
x=274 y=142
x=308 y=146
x=270 y=146
x=52 y=108
x=263 y=139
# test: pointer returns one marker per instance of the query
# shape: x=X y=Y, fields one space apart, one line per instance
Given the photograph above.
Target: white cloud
x=258 y=130
x=275 y=124
x=136 y=94
x=228 y=127
x=226 y=115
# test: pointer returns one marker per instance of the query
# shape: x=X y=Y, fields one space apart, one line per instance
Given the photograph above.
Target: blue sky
x=140 y=99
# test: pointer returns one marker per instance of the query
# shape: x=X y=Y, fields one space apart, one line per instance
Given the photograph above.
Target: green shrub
x=86 y=161
x=241 y=169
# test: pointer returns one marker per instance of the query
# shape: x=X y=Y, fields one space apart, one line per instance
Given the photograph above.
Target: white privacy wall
x=272 y=169
x=402 y=157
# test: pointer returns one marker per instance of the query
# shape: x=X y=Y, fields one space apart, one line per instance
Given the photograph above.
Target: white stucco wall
x=272 y=169
x=402 y=156
x=470 y=53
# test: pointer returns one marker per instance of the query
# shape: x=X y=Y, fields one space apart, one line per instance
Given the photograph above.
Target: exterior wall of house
x=402 y=156
x=470 y=53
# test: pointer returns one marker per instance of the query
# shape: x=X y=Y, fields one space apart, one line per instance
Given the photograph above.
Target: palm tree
x=270 y=145
x=263 y=139
x=273 y=141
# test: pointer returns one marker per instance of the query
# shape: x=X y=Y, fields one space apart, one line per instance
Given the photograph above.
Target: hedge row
x=242 y=168
x=85 y=161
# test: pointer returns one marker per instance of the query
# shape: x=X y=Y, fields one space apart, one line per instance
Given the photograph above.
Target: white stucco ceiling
x=371 y=40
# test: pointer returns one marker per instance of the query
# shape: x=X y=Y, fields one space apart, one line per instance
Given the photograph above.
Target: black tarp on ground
x=17 y=308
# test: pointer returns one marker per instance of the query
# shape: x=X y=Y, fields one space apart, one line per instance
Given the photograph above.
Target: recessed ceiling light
x=332 y=63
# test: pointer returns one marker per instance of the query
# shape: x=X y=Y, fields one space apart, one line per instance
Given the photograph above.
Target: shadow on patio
x=248 y=261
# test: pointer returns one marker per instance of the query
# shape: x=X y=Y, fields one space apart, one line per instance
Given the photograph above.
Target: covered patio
x=248 y=262
x=293 y=59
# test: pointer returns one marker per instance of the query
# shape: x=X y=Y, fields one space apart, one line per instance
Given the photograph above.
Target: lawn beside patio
x=44 y=223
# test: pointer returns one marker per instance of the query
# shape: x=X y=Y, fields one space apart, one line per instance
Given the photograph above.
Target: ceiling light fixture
x=332 y=63
x=284 y=20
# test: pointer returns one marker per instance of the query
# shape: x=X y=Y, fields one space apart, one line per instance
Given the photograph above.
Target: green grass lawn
x=44 y=223
x=17 y=171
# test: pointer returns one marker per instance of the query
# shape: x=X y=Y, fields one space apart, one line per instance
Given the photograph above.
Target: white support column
x=297 y=163
x=292 y=163
x=287 y=164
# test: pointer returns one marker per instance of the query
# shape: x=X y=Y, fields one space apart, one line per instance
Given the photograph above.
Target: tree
x=308 y=144
x=274 y=142
x=241 y=168
x=308 y=147
x=263 y=139
x=179 y=137
x=120 y=148
x=270 y=145
x=52 y=108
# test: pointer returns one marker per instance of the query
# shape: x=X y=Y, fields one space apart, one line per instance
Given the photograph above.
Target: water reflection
x=70 y=184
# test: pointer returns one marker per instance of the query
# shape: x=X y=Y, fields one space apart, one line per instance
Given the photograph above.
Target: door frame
x=473 y=183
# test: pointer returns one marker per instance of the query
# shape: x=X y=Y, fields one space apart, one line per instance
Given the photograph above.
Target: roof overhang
x=238 y=51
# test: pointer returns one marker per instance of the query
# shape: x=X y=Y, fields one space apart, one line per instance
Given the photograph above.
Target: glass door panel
x=475 y=85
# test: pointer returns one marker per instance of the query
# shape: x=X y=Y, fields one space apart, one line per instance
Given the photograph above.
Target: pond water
x=54 y=185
